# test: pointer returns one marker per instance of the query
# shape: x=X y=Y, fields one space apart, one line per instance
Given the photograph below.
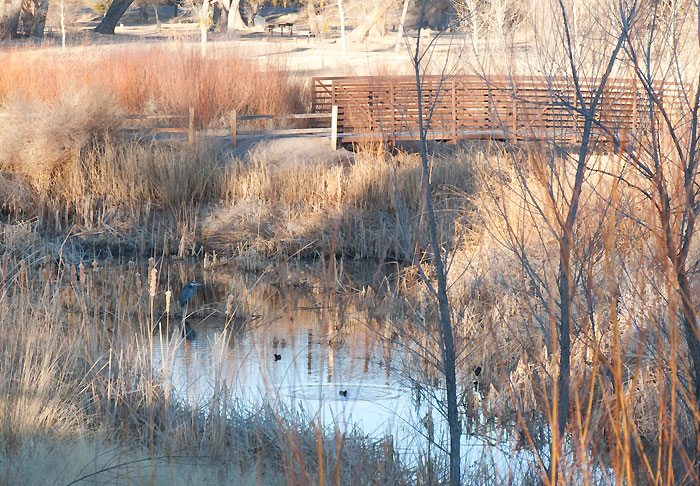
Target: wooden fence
x=235 y=119
x=471 y=107
x=146 y=119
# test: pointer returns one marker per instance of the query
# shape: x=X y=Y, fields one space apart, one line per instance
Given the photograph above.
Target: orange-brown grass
x=160 y=79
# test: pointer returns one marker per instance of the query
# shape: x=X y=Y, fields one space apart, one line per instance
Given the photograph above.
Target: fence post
x=334 y=128
x=190 y=132
x=234 y=128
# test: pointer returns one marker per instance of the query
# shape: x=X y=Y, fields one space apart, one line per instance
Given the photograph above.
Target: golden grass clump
x=357 y=205
x=38 y=140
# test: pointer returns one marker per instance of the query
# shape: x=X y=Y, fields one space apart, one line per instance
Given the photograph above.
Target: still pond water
x=305 y=353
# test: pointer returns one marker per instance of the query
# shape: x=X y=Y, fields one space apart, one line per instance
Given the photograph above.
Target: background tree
x=9 y=18
x=115 y=12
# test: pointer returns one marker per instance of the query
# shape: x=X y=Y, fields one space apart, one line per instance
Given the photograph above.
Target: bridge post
x=234 y=128
x=190 y=131
x=334 y=128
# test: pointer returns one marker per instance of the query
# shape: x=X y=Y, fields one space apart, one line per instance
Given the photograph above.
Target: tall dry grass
x=367 y=207
x=258 y=205
x=39 y=140
x=160 y=79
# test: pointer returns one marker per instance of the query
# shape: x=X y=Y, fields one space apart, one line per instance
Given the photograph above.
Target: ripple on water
x=332 y=392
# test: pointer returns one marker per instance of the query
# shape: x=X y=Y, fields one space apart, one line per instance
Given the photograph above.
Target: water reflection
x=307 y=350
x=301 y=351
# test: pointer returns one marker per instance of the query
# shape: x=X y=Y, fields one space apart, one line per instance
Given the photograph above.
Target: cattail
x=22 y=274
x=139 y=285
x=229 y=304
x=5 y=262
x=81 y=267
x=168 y=294
x=46 y=273
x=94 y=265
x=152 y=282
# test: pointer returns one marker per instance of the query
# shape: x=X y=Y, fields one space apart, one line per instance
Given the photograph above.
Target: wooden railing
x=281 y=132
x=235 y=119
x=471 y=107
x=189 y=129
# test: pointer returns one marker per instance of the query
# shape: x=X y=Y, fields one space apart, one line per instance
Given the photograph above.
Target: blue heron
x=189 y=332
x=187 y=293
x=185 y=296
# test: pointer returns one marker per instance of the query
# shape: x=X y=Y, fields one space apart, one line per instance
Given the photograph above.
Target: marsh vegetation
x=570 y=277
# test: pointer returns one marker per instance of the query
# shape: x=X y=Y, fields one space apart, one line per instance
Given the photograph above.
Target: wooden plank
x=155 y=117
x=518 y=104
x=291 y=116
x=290 y=131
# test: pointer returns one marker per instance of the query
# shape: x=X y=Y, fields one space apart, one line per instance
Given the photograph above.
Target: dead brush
x=38 y=141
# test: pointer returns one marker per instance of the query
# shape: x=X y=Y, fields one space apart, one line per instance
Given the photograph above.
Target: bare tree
x=402 y=22
x=377 y=17
x=311 y=13
x=663 y=46
x=115 y=12
x=551 y=182
x=9 y=18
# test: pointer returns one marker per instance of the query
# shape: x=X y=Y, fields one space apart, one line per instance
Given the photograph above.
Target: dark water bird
x=343 y=393
x=278 y=357
x=275 y=342
x=189 y=332
x=477 y=372
x=187 y=293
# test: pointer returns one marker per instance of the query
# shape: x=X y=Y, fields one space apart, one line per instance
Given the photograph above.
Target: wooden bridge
x=471 y=107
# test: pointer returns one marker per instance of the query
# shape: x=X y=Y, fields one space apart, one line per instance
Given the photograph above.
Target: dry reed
x=165 y=79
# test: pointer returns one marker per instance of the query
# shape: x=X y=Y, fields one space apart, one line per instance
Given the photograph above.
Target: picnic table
x=282 y=26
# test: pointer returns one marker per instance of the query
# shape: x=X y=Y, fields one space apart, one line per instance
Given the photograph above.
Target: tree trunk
x=155 y=12
x=115 y=12
x=341 y=13
x=221 y=16
x=361 y=32
x=9 y=18
x=230 y=18
x=380 y=24
x=203 y=15
x=401 y=25
x=38 y=30
x=311 y=11
x=449 y=357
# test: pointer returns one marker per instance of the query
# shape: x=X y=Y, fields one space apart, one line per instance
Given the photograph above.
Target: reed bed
x=80 y=384
x=163 y=79
x=254 y=207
